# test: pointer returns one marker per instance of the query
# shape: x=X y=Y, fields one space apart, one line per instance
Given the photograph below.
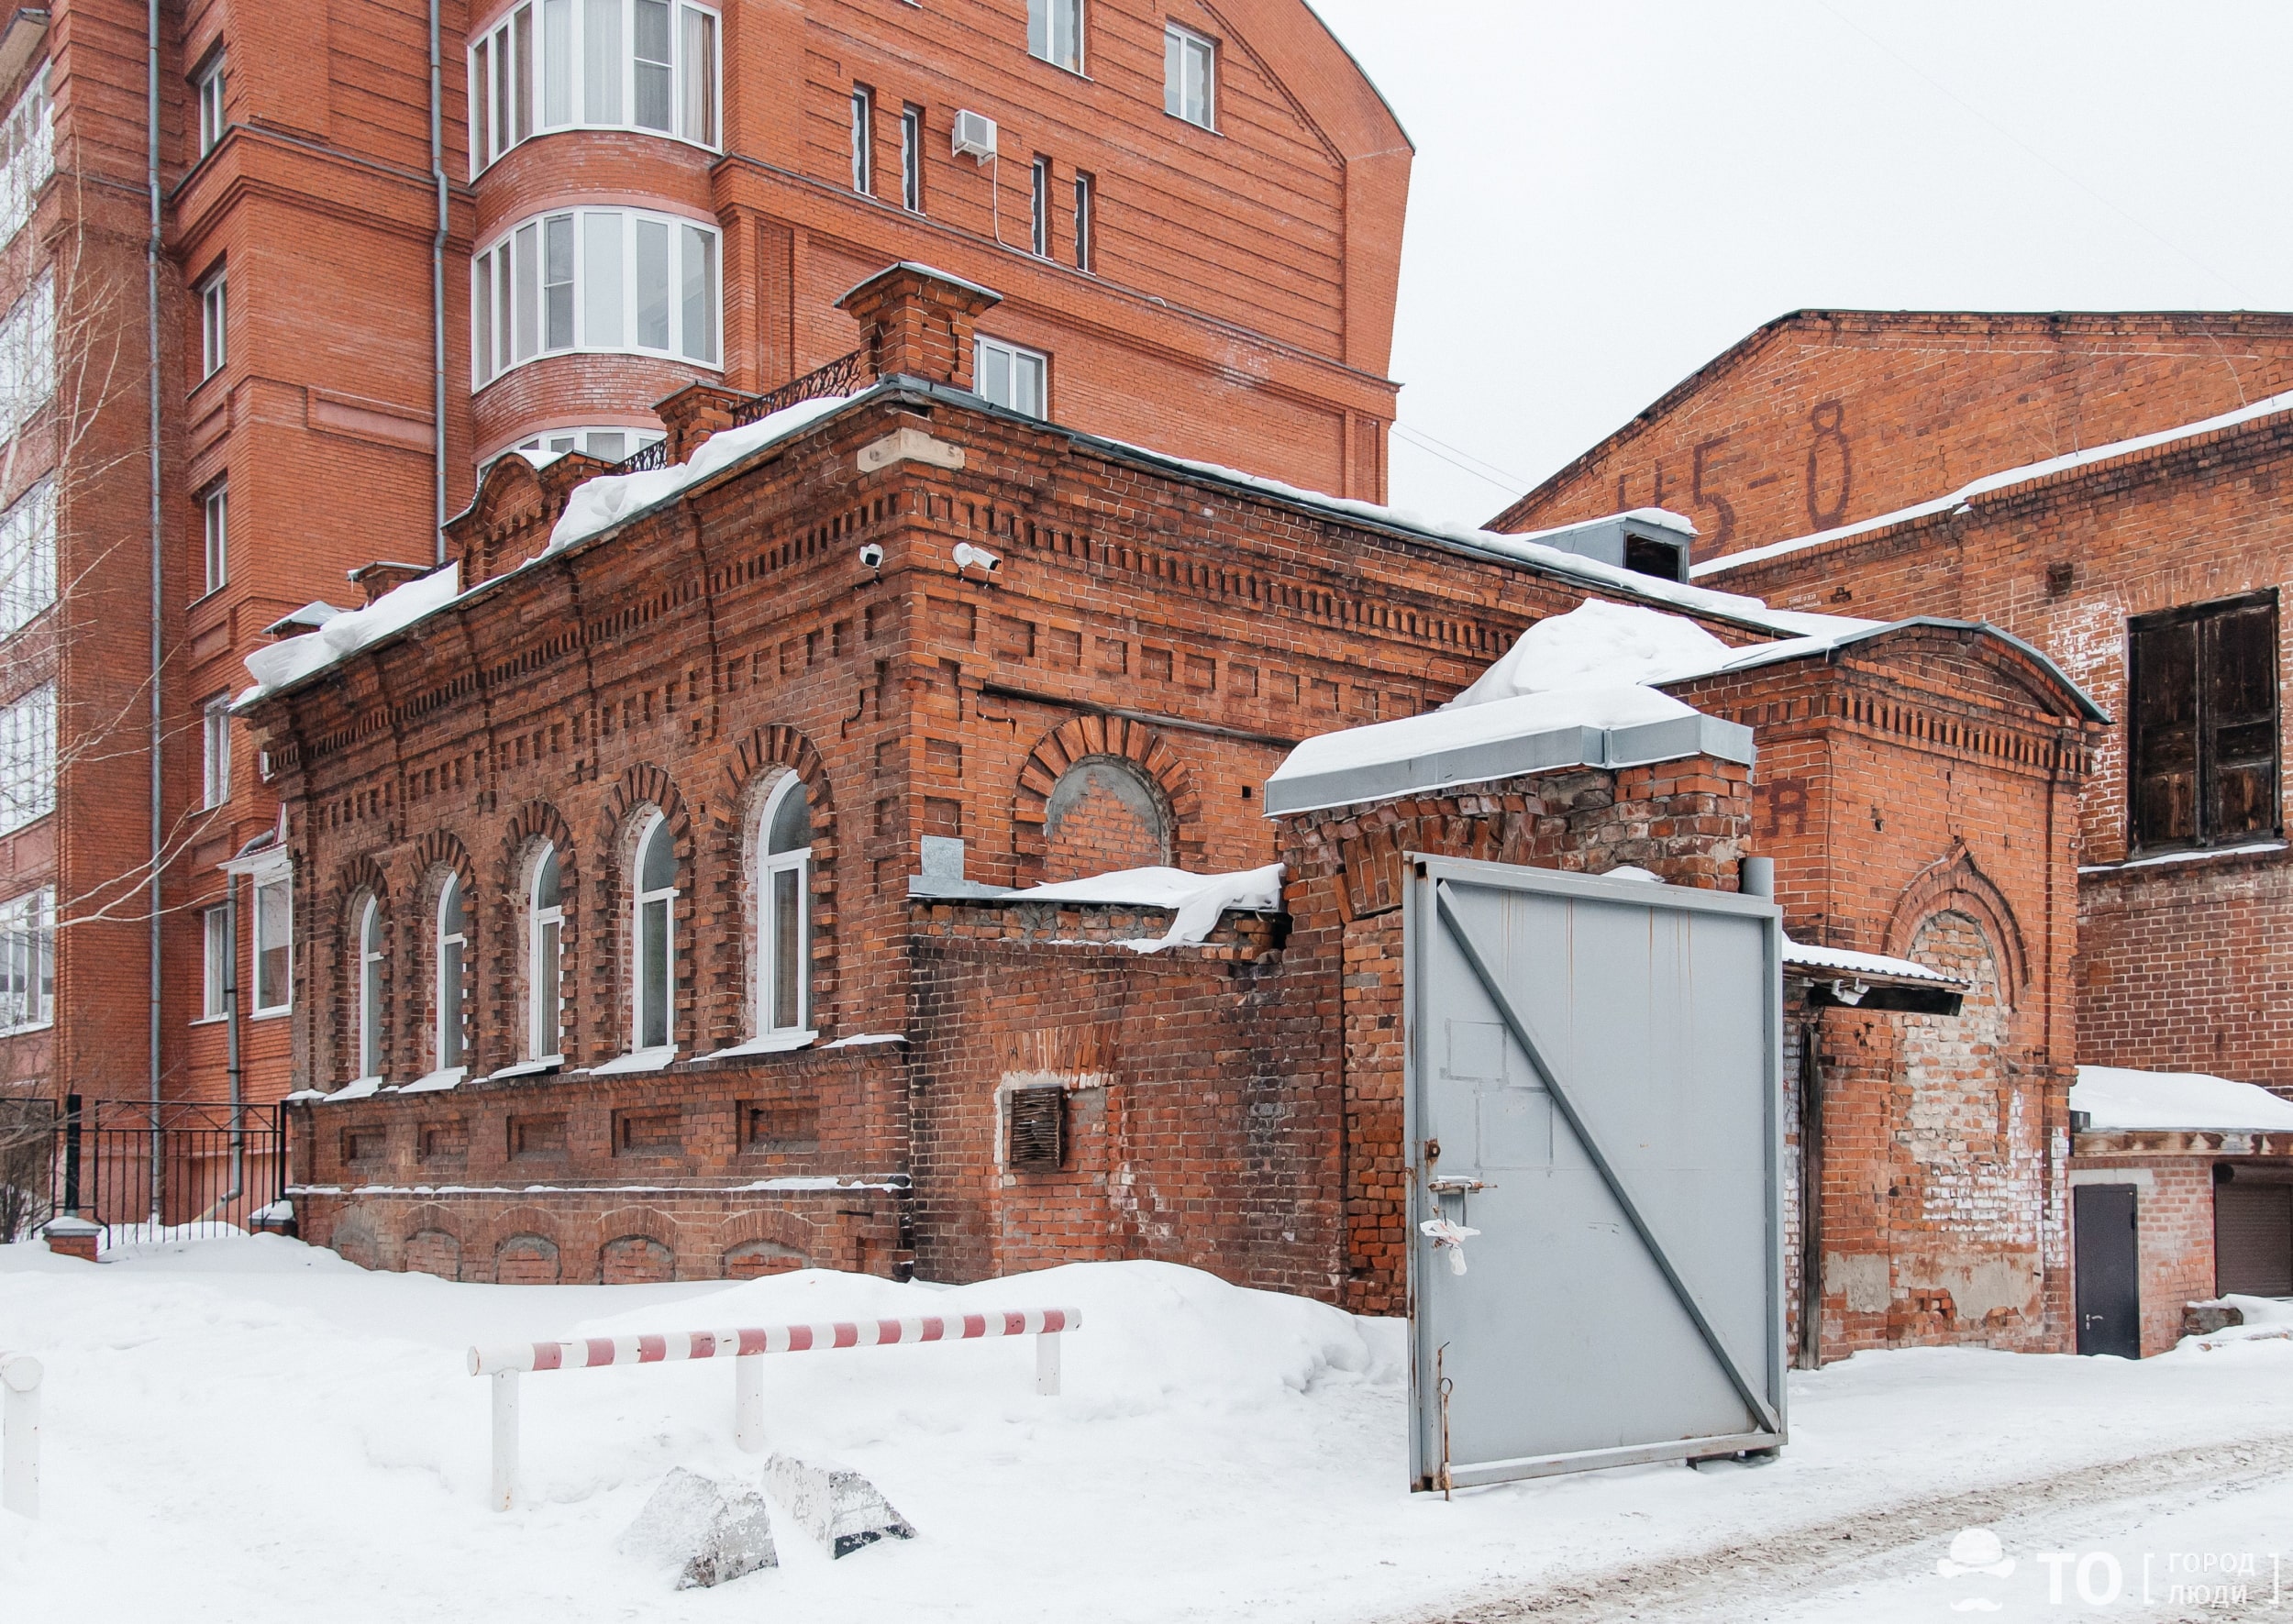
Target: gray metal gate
x=1595 y=1087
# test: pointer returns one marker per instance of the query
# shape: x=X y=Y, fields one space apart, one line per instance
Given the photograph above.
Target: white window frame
x=372 y=950
x=863 y=140
x=1055 y=33
x=1086 y=219
x=214 y=324
x=27 y=557
x=455 y=1026
x=547 y=84
x=214 y=518
x=281 y=883
x=545 y=965
x=28 y=155
x=215 y=961
x=912 y=158
x=27 y=354
x=1185 y=54
x=1039 y=206
x=213 y=83
x=512 y=321
x=770 y=866
x=28 y=961
x=1015 y=359
x=215 y=752
x=642 y=1005
x=27 y=758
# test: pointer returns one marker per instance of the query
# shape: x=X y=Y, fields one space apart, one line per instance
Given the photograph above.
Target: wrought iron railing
x=840 y=376
x=185 y=1168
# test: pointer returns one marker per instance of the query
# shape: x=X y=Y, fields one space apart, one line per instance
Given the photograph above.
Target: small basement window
x=1037 y=1134
x=2203 y=723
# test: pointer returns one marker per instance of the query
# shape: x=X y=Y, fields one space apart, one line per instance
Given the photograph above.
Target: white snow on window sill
x=525 y=1068
x=779 y=1043
x=867 y=1038
x=2166 y=858
x=637 y=1060
x=359 y=1089
x=435 y=1082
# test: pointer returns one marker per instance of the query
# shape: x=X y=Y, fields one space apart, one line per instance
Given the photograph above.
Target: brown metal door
x=2252 y=1239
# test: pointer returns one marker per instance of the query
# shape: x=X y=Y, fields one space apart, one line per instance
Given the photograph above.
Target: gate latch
x=1455 y=1185
x=1448 y=1239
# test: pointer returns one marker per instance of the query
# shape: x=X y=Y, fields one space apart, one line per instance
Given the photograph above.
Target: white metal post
x=1046 y=1364
x=504 y=1437
x=749 y=1403
x=19 y=1448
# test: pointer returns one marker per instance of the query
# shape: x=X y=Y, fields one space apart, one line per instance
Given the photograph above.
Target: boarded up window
x=2204 y=723
x=1037 y=1120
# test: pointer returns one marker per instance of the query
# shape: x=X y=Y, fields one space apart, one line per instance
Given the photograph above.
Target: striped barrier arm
x=506 y=1362
x=594 y=1353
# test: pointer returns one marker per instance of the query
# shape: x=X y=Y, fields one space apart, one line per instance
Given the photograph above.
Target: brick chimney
x=917 y=322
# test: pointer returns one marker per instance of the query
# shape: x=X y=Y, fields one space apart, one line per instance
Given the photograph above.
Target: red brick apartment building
x=387 y=244
x=2110 y=487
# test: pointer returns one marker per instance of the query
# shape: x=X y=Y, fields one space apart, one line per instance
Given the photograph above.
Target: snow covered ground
x=248 y=1429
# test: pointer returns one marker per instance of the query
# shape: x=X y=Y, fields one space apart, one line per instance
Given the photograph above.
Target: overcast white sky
x=1608 y=192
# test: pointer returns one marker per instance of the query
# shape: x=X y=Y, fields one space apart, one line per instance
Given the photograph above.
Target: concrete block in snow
x=710 y=1533
x=835 y=1505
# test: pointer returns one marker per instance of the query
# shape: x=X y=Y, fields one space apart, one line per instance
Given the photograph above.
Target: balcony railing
x=840 y=377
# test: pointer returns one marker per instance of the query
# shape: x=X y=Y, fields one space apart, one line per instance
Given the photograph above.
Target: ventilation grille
x=1038 y=1128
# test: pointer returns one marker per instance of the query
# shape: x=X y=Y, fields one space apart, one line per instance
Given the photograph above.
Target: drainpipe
x=159 y=600
x=437 y=289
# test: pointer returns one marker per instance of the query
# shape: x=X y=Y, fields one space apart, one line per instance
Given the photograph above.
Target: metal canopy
x=1595 y=1098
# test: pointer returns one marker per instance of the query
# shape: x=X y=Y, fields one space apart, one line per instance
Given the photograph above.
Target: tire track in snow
x=1742 y=1579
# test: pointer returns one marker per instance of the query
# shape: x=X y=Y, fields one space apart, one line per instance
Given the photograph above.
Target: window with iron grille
x=2203 y=721
x=1038 y=1128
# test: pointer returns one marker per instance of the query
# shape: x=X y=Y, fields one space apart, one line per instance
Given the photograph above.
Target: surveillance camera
x=873 y=556
x=966 y=555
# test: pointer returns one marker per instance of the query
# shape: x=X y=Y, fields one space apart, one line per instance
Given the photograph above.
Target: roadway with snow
x=250 y=1430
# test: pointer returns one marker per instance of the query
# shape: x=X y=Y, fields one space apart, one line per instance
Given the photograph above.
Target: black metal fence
x=141 y=1172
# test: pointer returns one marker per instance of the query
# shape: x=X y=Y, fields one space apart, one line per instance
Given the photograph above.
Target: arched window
x=371 y=989
x=545 y=937
x=453 y=1000
x=784 y=921
x=656 y=944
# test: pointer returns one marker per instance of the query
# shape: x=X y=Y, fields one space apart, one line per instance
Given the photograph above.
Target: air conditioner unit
x=975 y=136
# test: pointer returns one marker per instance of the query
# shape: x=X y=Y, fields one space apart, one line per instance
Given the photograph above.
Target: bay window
x=599 y=280
x=595 y=64
x=28 y=155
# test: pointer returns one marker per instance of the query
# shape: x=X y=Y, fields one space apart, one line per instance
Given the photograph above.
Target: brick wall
x=1825 y=418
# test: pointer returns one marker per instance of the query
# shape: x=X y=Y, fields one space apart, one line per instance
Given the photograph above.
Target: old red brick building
x=391 y=243
x=987 y=651
x=2106 y=487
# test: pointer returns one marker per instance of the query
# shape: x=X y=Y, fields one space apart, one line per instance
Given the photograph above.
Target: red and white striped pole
x=745 y=1347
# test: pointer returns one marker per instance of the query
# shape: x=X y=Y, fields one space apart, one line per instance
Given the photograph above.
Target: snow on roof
x=2115 y=1098
x=594 y=505
x=1622 y=725
x=1200 y=899
x=1808 y=956
x=1999 y=482
x=293 y=658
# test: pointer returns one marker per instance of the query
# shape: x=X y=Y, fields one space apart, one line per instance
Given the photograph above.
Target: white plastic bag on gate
x=1449 y=1239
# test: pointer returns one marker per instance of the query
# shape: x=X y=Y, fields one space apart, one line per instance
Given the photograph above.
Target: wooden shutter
x=2238 y=717
x=2252 y=1239
x=2164 y=766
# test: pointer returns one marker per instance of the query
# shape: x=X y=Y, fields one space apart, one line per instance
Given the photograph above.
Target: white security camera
x=873 y=556
x=966 y=555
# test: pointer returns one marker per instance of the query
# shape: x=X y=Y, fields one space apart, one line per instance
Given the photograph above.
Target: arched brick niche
x=1101 y=793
